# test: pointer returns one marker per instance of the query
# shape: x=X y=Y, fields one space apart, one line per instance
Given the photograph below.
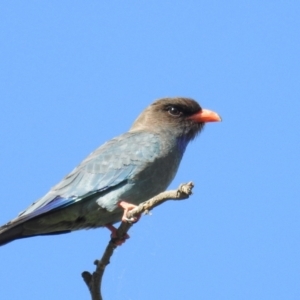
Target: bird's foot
x=127 y=207
x=118 y=241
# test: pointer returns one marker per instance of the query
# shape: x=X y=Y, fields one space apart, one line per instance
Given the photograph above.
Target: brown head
x=182 y=117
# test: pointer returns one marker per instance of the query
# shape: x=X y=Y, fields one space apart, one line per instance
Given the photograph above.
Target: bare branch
x=93 y=281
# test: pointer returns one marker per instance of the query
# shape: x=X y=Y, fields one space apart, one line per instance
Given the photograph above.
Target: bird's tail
x=10 y=233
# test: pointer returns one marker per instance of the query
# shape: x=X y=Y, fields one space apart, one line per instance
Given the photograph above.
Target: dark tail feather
x=8 y=234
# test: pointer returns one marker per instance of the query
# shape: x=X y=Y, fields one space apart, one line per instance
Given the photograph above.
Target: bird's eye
x=174 y=111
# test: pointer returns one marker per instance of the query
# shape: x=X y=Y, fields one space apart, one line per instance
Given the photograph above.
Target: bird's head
x=181 y=117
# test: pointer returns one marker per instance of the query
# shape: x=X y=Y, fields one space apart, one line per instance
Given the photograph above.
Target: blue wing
x=110 y=165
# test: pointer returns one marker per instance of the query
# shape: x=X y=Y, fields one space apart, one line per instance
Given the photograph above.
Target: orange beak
x=205 y=116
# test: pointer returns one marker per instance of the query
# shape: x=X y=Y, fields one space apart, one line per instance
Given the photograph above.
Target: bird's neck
x=174 y=142
x=182 y=142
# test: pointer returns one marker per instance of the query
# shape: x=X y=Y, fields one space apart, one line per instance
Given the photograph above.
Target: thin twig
x=93 y=281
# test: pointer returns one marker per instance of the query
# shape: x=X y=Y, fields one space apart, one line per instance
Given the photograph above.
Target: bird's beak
x=205 y=116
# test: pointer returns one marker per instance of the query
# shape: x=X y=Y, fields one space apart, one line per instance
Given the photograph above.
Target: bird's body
x=132 y=167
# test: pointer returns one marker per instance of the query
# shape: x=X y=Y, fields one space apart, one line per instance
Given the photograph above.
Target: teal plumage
x=132 y=167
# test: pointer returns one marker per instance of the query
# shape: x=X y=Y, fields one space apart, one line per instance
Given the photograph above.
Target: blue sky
x=76 y=73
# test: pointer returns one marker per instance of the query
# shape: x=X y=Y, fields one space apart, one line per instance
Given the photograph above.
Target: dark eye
x=174 y=111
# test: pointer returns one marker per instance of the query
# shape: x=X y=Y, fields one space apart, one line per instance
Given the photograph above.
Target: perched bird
x=120 y=174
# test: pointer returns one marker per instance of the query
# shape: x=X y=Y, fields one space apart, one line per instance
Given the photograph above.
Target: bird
x=122 y=173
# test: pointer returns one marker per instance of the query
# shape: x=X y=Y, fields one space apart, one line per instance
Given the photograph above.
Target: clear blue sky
x=74 y=74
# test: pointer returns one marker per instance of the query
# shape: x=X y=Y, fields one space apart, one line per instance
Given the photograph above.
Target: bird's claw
x=129 y=220
x=128 y=207
x=117 y=240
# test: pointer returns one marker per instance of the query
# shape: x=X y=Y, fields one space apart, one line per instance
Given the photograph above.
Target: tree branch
x=93 y=281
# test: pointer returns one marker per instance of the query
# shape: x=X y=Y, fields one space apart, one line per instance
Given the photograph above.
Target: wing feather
x=110 y=165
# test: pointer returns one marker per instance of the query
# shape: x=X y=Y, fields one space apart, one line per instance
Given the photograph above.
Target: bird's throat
x=182 y=142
